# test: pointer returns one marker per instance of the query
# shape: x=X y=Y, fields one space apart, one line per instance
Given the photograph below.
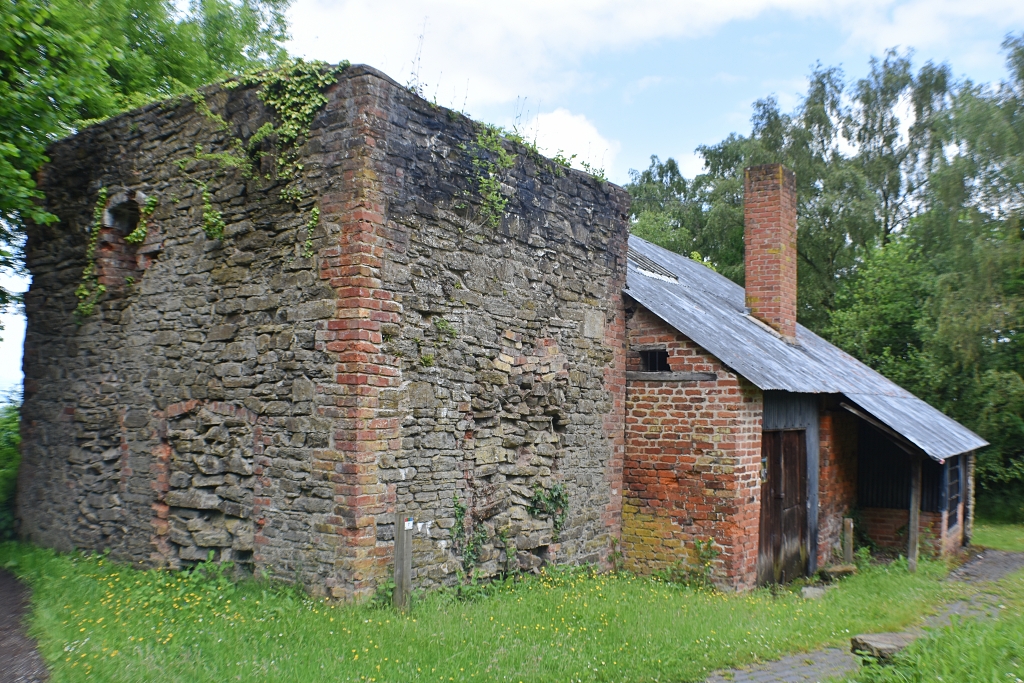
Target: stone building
x=257 y=352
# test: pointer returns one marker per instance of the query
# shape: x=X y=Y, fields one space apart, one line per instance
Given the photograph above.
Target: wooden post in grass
x=847 y=540
x=403 y=560
x=914 y=525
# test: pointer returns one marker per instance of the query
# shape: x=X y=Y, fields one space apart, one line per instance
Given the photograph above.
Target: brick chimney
x=769 y=232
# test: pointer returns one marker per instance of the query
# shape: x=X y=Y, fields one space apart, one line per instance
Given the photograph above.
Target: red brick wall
x=888 y=529
x=363 y=430
x=692 y=460
x=837 y=484
x=769 y=217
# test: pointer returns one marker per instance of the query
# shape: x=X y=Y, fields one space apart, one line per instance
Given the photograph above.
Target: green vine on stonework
x=138 y=235
x=553 y=503
x=314 y=220
x=459 y=529
x=295 y=93
x=213 y=220
x=89 y=289
x=200 y=101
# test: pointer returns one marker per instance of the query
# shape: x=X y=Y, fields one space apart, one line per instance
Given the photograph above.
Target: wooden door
x=782 y=549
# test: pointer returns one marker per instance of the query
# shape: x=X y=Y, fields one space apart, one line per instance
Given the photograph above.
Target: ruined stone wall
x=179 y=418
x=510 y=348
x=692 y=462
x=837 y=481
x=247 y=397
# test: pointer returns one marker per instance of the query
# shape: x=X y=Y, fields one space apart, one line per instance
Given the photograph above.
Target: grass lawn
x=999 y=536
x=96 y=620
x=969 y=650
x=989 y=650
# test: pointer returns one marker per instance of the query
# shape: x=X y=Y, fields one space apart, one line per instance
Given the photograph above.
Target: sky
x=614 y=81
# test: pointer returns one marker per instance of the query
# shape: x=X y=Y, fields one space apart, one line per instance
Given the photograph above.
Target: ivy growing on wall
x=294 y=93
x=89 y=289
x=138 y=235
x=489 y=159
x=550 y=503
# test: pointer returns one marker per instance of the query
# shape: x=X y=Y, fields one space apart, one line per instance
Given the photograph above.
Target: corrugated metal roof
x=709 y=309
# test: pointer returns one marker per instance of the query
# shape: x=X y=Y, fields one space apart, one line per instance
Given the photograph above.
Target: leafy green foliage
x=66 y=63
x=314 y=220
x=568 y=623
x=90 y=290
x=553 y=503
x=490 y=158
x=10 y=458
x=213 y=220
x=138 y=235
x=295 y=91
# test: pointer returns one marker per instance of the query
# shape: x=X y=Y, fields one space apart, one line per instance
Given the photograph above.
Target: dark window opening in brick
x=654 y=361
x=953 y=492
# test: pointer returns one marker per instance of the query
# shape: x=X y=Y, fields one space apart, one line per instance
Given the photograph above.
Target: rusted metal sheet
x=709 y=309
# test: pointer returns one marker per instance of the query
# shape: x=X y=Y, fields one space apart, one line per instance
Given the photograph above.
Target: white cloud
x=532 y=48
x=561 y=131
x=487 y=53
x=928 y=24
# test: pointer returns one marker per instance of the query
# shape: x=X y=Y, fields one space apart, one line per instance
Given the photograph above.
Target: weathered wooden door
x=782 y=550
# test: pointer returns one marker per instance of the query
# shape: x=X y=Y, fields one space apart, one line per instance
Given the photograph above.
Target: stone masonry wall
x=509 y=344
x=692 y=459
x=837 y=481
x=240 y=397
x=180 y=418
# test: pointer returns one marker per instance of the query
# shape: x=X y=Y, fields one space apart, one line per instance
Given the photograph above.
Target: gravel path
x=19 y=659
x=834 y=663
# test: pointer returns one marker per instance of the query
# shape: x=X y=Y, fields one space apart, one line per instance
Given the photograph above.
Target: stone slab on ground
x=880 y=645
x=838 y=571
x=19 y=659
x=832 y=663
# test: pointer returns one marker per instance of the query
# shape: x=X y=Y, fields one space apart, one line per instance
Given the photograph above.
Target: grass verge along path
x=999 y=536
x=97 y=620
x=985 y=649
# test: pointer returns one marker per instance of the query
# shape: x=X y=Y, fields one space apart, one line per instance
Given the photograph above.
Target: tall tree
x=910 y=216
x=63 y=62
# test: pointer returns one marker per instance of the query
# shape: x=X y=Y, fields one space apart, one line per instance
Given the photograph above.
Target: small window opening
x=654 y=361
x=125 y=217
x=123 y=211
